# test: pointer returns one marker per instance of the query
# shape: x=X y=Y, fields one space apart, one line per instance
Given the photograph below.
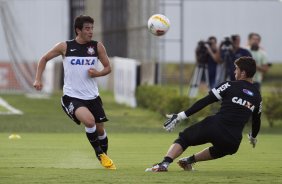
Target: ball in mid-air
x=158 y=24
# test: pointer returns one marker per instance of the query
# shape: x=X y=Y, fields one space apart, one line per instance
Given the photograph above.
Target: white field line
x=11 y=109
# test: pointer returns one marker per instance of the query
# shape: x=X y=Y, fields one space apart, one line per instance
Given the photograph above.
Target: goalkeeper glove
x=252 y=140
x=173 y=120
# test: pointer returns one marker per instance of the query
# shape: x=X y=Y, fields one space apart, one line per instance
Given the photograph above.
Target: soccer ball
x=158 y=24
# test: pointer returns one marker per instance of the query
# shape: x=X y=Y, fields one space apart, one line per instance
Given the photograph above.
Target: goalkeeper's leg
x=173 y=152
x=187 y=162
x=194 y=135
x=211 y=153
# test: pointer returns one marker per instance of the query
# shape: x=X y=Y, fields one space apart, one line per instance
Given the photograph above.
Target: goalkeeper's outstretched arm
x=174 y=119
x=200 y=104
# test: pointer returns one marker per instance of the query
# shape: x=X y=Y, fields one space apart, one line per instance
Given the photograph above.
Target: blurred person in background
x=213 y=60
x=230 y=50
x=207 y=57
x=81 y=100
x=260 y=57
x=238 y=52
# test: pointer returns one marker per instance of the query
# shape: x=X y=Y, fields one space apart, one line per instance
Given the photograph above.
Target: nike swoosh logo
x=72 y=50
x=102 y=118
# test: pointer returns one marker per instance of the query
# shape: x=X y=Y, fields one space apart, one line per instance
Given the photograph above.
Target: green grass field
x=55 y=150
x=68 y=158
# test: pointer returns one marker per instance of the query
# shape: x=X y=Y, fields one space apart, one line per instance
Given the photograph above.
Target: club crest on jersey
x=242 y=102
x=90 y=50
x=248 y=92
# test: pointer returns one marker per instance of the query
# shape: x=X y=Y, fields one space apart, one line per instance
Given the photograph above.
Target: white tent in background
x=27 y=31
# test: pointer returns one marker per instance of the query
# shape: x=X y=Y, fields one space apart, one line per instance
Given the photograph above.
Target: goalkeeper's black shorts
x=210 y=130
x=95 y=106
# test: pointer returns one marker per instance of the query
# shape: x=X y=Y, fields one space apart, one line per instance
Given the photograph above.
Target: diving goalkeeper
x=240 y=100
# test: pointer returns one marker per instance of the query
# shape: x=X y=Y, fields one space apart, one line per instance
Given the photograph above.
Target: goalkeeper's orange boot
x=107 y=162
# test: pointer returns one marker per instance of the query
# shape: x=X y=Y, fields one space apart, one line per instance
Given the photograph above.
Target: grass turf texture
x=55 y=150
x=3 y=109
x=68 y=158
x=46 y=115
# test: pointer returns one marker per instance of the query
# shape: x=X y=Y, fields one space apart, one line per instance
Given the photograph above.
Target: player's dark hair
x=80 y=20
x=247 y=64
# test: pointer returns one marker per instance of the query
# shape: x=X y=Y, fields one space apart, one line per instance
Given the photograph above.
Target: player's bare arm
x=103 y=56
x=58 y=49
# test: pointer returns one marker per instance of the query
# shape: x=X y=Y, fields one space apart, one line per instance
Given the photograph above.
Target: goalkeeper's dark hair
x=80 y=20
x=247 y=64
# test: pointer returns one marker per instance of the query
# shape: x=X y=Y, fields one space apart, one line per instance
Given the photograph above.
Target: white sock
x=90 y=130
x=102 y=136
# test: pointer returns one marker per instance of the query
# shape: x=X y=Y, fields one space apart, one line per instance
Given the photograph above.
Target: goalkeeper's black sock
x=191 y=159
x=104 y=142
x=166 y=161
x=92 y=136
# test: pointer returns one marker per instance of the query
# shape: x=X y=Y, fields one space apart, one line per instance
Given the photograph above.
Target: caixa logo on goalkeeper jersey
x=243 y=102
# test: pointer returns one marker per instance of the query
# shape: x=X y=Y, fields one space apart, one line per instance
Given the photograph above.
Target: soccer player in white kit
x=81 y=100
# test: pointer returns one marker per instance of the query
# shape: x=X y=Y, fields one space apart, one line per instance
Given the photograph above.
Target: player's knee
x=183 y=138
x=89 y=123
x=232 y=150
x=182 y=143
x=218 y=153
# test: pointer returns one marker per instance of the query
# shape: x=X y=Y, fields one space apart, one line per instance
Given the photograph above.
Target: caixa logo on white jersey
x=244 y=103
x=79 y=61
